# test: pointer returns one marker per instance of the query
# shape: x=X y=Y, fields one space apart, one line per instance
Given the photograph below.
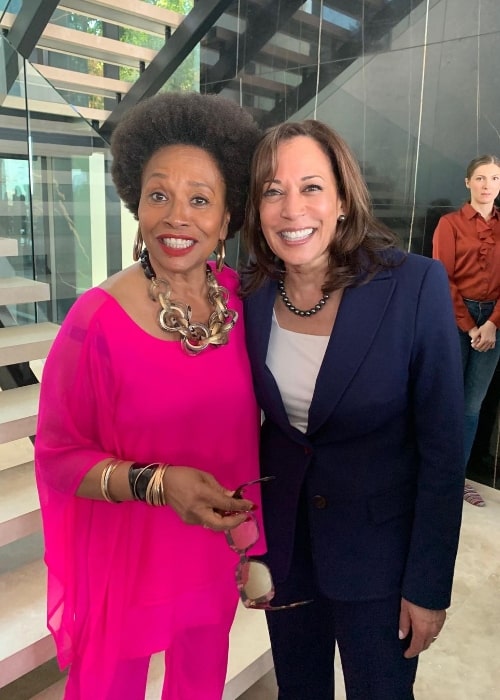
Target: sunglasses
x=253 y=578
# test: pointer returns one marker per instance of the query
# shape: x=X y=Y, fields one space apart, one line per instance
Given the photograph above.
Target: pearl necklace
x=298 y=312
x=175 y=316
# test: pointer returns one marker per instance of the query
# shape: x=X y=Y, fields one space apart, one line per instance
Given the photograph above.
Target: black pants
x=303 y=640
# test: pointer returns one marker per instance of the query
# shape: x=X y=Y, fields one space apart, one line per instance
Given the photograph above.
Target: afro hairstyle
x=213 y=123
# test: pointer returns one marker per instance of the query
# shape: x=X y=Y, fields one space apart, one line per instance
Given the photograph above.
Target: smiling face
x=484 y=185
x=301 y=204
x=182 y=210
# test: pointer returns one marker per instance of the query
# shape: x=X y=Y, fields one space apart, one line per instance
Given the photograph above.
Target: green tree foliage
x=187 y=76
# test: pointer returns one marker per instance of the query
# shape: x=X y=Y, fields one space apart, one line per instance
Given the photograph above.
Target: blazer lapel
x=359 y=317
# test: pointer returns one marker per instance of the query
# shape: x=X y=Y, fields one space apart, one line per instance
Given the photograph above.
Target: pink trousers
x=195 y=669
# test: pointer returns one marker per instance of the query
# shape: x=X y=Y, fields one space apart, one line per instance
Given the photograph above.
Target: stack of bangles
x=146 y=482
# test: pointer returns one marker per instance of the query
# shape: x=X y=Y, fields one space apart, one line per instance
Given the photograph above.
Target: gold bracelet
x=155 y=491
x=105 y=476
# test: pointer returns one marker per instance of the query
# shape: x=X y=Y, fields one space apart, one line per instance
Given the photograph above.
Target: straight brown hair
x=361 y=242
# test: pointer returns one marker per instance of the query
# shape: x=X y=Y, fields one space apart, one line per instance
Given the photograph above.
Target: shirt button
x=319 y=502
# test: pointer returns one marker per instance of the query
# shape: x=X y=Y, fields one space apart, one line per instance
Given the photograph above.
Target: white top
x=295 y=359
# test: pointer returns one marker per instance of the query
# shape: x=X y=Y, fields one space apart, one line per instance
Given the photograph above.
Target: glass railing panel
x=69 y=200
x=15 y=183
x=53 y=189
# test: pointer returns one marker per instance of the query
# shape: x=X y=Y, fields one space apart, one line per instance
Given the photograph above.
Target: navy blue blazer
x=381 y=464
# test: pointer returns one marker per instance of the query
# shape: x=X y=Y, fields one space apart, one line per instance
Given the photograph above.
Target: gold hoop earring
x=220 y=255
x=138 y=245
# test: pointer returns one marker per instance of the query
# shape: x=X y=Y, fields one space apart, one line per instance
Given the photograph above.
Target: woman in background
x=357 y=370
x=468 y=244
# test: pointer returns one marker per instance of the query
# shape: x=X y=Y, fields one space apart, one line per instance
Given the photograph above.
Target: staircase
x=24 y=640
x=25 y=643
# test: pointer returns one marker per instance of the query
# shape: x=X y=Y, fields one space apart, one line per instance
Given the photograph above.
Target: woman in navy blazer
x=357 y=369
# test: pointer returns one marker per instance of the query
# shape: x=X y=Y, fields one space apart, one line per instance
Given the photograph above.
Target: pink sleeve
x=76 y=389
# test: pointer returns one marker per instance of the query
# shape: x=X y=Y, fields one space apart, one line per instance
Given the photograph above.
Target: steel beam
x=29 y=24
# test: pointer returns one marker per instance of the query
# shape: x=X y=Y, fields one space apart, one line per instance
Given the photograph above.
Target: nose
x=175 y=213
x=292 y=205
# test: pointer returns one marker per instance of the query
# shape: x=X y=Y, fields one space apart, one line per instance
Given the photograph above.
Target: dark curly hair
x=211 y=122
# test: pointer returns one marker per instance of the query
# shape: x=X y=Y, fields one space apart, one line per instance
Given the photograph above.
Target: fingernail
x=401 y=635
x=254 y=506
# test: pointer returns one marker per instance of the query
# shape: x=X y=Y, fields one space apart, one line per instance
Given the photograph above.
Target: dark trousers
x=303 y=640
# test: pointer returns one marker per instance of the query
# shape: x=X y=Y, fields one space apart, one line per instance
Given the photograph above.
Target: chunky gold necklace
x=175 y=316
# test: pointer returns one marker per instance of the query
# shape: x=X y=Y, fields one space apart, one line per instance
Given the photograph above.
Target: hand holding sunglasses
x=253 y=578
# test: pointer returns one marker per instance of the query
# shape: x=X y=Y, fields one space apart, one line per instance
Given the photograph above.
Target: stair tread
x=18 y=412
x=8 y=246
x=19 y=403
x=19 y=290
x=16 y=452
x=22 y=609
x=19 y=504
x=28 y=342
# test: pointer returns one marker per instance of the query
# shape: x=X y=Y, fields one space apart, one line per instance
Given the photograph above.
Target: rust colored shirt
x=469 y=248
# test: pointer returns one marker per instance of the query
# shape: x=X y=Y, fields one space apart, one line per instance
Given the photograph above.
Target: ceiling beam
x=126 y=13
x=29 y=24
x=189 y=33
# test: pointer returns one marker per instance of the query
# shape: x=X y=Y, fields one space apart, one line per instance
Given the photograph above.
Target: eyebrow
x=302 y=179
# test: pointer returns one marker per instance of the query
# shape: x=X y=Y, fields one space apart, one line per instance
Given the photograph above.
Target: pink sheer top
x=122 y=578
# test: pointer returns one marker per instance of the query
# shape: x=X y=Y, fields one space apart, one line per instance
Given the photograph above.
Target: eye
x=158 y=197
x=271 y=192
x=313 y=187
x=199 y=201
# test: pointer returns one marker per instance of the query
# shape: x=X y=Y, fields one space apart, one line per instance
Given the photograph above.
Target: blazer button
x=319 y=502
x=307 y=451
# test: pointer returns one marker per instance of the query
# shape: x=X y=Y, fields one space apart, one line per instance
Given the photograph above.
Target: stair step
x=55 y=692
x=25 y=343
x=8 y=246
x=19 y=505
x=25 y=642
x=18 y=412
x=18 y=290
x=15 y=452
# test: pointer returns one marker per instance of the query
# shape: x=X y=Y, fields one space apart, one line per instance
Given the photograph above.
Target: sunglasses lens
x=255 y=584
x=244 y=536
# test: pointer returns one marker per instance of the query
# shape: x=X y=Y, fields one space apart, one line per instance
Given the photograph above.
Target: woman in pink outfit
x=148 y=422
